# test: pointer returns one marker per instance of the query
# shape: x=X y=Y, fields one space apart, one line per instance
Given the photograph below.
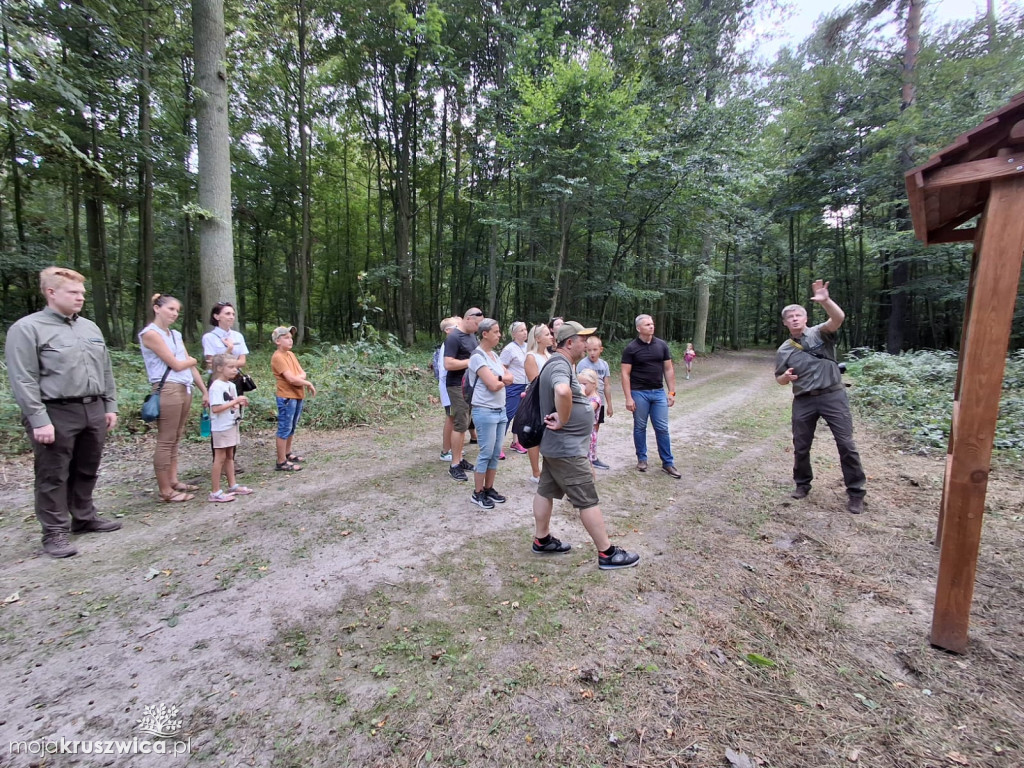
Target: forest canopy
x=394 y=163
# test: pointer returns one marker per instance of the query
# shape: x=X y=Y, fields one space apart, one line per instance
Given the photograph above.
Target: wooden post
x=996 y=273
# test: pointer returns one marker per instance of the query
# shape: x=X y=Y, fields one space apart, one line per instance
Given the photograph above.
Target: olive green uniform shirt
x=812 y=358
x=51 y=357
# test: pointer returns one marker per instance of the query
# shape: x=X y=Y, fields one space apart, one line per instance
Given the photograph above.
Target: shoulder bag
x=151 y=405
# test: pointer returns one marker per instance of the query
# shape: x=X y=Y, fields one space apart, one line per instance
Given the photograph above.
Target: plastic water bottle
x=204 y=423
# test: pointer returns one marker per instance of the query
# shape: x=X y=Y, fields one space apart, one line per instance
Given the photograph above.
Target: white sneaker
x=446 y=456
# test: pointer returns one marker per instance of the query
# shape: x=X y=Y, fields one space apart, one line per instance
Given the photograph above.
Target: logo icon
x=160 y=720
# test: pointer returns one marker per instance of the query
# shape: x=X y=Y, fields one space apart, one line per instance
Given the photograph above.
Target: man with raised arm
x=807 y=360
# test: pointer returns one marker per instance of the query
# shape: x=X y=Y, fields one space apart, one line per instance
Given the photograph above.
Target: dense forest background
x=394 y=163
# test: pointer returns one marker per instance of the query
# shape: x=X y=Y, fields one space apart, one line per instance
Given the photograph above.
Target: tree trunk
x=565 y=224
x=216 y=260
x=703 y=296
x=144 y=275
x=306 y=248
x=900 y=268
x=12 y=150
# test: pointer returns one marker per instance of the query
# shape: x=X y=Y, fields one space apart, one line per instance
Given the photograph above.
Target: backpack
x=469 y=380
x=528 y=423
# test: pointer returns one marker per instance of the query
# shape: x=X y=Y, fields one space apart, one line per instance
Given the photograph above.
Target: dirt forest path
x=364 y=612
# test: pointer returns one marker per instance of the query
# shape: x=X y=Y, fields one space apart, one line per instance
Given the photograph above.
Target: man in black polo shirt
x=807 y=360
x=645 y=362
x=458 y=348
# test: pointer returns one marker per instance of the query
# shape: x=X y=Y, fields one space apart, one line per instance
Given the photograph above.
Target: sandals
x=185 y=487
x=295 y=459
x=221 y=497
x=239 y=490
x=287 y=466
x=177 y=496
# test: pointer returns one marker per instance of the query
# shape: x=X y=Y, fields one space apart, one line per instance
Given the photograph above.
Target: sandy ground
x=364 y=612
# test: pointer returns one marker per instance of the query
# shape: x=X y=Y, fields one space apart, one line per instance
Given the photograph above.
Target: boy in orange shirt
x=291 y=389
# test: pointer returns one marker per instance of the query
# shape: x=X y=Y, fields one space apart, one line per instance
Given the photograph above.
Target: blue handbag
x=151 y=405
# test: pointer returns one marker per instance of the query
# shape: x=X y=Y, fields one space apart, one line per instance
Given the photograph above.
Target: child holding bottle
x=225 y=413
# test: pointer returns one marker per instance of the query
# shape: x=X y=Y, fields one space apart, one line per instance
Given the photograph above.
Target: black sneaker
x=598 y=464
x=457 y=473
x=494 y=496
x=481 y=499
x=553 y=547
x=465 y=466
x=619 y=558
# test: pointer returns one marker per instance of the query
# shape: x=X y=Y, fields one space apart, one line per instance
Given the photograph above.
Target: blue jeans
x=653 y=403
x=490 y=432
x=288 y=411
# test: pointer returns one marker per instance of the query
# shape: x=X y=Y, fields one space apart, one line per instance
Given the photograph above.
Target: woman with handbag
x=173 y=374
x=223 y=339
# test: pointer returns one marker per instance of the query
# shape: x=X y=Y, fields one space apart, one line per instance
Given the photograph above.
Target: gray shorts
x=571 y=478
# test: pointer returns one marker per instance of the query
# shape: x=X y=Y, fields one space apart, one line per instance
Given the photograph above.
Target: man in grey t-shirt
x=566 y=471
x=807 y=360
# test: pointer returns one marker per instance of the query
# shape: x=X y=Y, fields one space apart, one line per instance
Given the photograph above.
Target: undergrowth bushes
x=913 y=393
x=361 y=383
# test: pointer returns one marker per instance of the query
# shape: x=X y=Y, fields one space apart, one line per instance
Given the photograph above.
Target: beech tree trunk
x=147 y=245
x=703 y=297
x=900 y=306
x=216 y=263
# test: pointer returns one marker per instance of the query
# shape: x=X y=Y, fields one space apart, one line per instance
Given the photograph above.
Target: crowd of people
x=62 y=379
x=482 y=389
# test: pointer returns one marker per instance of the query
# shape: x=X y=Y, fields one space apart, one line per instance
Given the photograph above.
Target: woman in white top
x=540 y=339
x=223 y=339
x=513 y=357
x=164 y=353
x=490 y=378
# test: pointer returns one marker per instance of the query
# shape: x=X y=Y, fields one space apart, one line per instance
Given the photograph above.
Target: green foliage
x=632 y=152
x=913 y=393
x=366 y=382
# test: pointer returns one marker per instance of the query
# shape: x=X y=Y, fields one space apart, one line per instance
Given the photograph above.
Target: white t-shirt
x=514 y=358
x=482 y=396
x=442 y=376
x=539 y=359
x=155 y=367
x=222 y=392
x=213 y=343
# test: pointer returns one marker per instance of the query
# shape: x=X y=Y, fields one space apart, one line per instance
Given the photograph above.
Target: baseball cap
x=572 y=328
x=281 y=330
